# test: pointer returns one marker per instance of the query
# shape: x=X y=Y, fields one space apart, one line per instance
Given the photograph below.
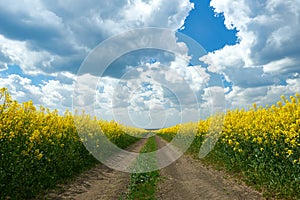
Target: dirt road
x=185 y=179
x=188 y=179
x=100 y=182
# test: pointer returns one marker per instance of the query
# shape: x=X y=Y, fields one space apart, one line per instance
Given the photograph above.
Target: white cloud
x=213 y=101
x=17 y=53
x=283 y=65
x=54 y=36
x=56 y=94
x=264 y=95
x=152 y=91
x=157 y=13
x=266 y=58
x=51 y=94
x=3 y=66
x=20 y=88
x=146 y=90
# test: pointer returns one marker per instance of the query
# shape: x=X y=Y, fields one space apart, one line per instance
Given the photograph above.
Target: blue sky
x=207 y=28
x=250 y=55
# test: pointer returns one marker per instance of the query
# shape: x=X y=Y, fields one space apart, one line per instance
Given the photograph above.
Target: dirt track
x=188 y=179
x=185 y=179
x=100 y=182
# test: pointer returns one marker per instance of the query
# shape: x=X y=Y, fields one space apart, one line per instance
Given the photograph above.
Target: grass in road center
x=143 y=185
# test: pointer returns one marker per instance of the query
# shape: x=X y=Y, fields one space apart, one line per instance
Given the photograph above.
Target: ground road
x=186 y=178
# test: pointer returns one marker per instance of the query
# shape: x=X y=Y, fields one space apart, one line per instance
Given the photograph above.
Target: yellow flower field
x=263 y=143
x=39 y=147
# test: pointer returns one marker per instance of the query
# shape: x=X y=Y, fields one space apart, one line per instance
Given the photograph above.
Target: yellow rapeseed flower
x=289 y=152
x=39 y=156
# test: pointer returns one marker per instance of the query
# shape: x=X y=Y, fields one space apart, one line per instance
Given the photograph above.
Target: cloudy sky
x=208 y=56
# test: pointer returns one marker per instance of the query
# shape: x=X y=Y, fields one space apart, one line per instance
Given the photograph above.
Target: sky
x=221 y=55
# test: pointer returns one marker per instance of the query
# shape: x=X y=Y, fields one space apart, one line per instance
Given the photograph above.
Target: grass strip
x=167 y=137
x=143 y=185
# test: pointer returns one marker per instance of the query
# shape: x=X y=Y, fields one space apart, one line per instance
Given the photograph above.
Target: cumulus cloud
x=3 y=66
x=51 y=94
x=150 y=88
x=150 y=91
x=15 y=52
x=152 y=83
x=51 y=38
x=265 y=59
x=54 y=36
x=263 y=95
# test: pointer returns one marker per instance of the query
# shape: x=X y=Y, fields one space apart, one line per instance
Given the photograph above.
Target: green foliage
x=143 y=185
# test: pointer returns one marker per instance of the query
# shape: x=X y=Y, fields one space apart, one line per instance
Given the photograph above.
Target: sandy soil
x=100 y=183
x=188 y=179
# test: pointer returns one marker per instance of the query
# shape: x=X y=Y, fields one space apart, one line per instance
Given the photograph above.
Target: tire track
x=187 y=178
x=99 y=182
